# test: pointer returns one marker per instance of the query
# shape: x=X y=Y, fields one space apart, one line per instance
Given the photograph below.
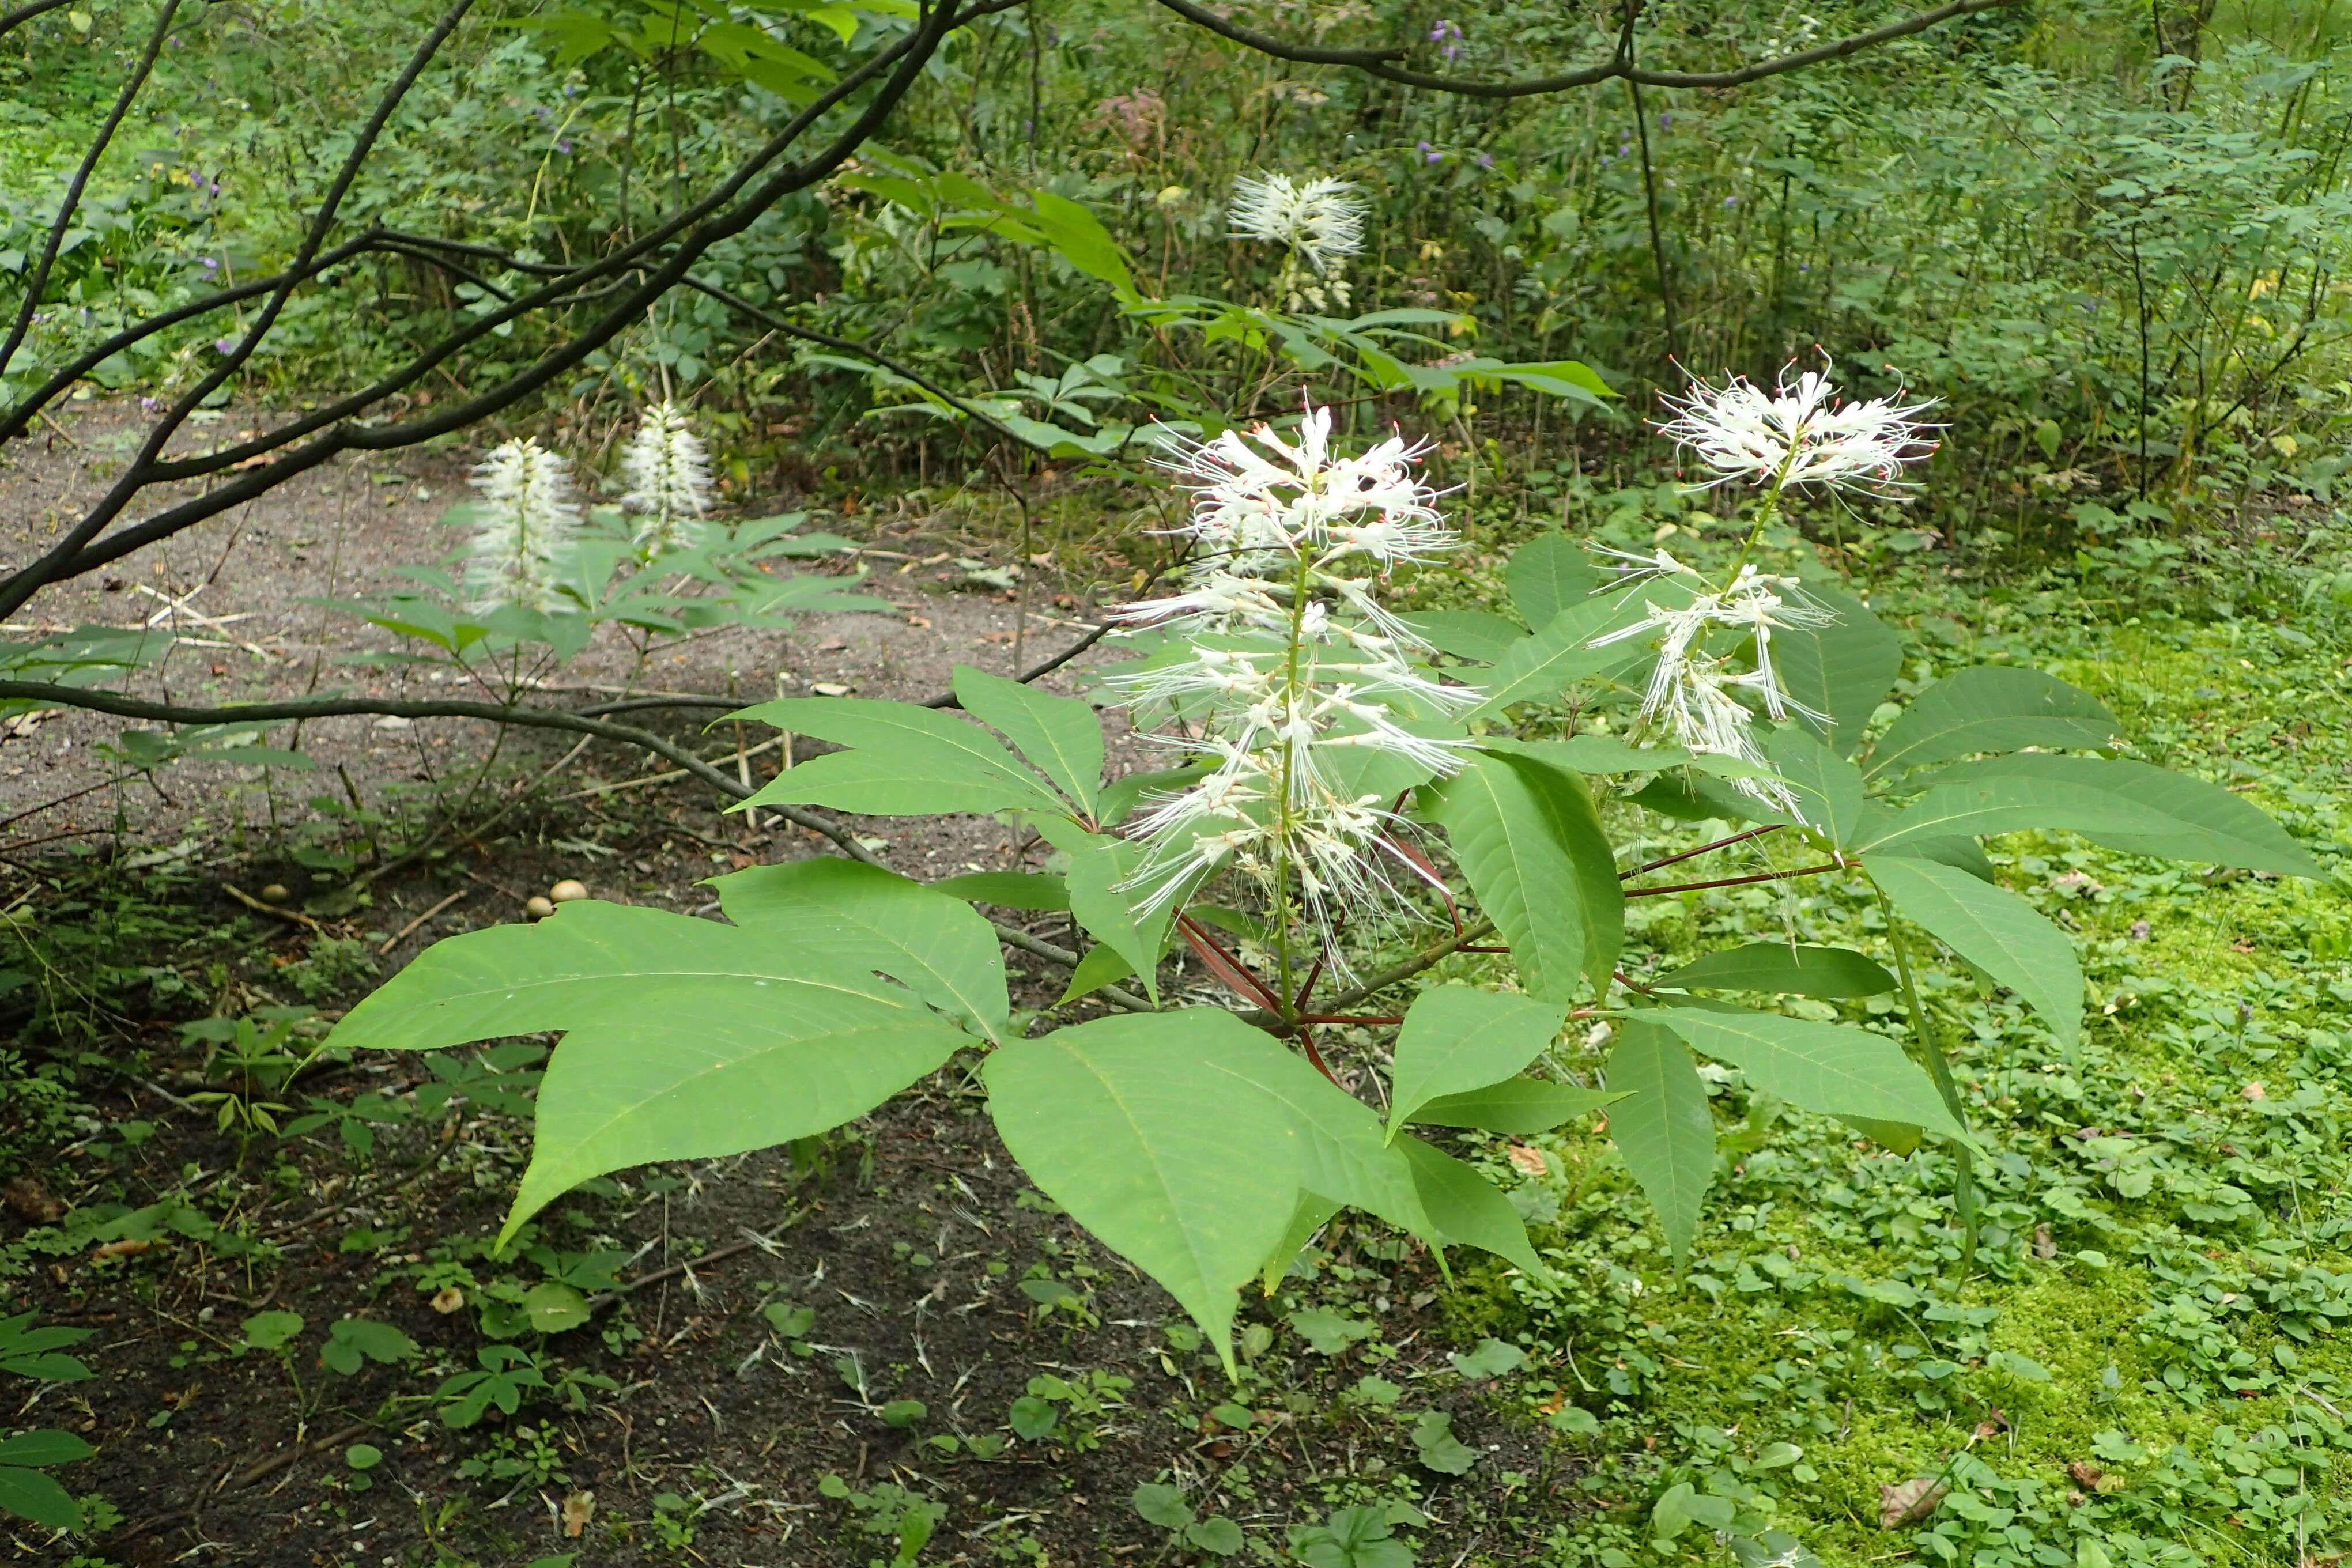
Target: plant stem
x=1939 y=1068
x=1739 y=881
x=1284 y=986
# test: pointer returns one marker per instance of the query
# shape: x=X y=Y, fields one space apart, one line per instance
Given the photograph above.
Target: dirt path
x=243 y=594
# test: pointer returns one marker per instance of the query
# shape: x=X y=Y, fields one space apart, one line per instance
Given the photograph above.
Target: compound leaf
x=1791 y=971
x=1060 y=737
x=685 y=1038
x=1992 y=708
x=1527 y=838
x=1458 y=1038
x=1830 y=1068
x=840 y=914
x=1128 y=1123
x=1662 y=1125
x=1993 y=929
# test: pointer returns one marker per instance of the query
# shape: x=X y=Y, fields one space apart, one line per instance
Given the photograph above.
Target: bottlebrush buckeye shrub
x=1341 y=814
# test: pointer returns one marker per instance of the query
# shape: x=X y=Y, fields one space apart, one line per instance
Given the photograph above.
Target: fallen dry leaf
x=27 y=1198
x=579 y=1508
x=1527 y=1161
x=1910 y=1502
x=2253 y=1092
x=447 y=1299
x=120 y=1250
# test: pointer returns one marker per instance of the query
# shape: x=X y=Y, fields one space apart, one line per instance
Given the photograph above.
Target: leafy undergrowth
x=920 y=1360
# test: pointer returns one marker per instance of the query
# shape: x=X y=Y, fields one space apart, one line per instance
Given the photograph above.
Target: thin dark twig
x=1703 y=849
x=1737 y=881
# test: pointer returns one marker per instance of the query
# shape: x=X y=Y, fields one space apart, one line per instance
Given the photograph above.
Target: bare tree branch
x=1382 y=62
x=12 y=20
x=701 y=225
x=143 y=469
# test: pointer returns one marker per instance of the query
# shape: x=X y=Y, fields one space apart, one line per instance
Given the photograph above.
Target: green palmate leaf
x=685 y=1038
x=1458 y=1038
x=1101 y=967
x=1060 y=737
x=1662 y=1125
x=1895 y=1137
x=1960 y=854
x=1474 y=634
x=1993 y=929
x=1467 y=1208
x=1791 y=971
x=1036 y=891
x=1560 y=653
x=909 y=761
x=1548 y=574
x=1130 y=1124
x=1830 y=1068
x=44 y=1448
x=1601 y=754
x=1078 y=238
x=1828 y=788
x=1522 y=1106
x=841 y=915
x=1343 y=1156
x=1844 y=669
x=1527 y=838
x=1313 y=1213
x=1101 y=900
x=30 y=1494
x=1992 y=708
x=2126 y=806
x=1121 y=796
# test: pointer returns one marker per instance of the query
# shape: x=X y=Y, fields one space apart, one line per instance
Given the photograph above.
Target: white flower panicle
x=1320 y=222
x=1692 y=697
x=1800 y=433
x=1292 y=663
x=668 y=475
x=1321 y=219
x=527 y=519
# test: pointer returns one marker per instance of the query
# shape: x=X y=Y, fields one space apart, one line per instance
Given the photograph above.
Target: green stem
x=1939 y=1068
x=1286 y=989
x=1764 y=515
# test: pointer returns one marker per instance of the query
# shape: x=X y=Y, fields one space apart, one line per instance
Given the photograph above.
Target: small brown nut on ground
x=537 y=907
x=567 y=890
x=275 y=894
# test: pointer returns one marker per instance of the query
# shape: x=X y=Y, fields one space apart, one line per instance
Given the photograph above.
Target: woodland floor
x=760 y=1326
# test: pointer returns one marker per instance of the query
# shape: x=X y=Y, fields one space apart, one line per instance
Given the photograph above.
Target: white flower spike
x=669 y=480
x=1800 y=434
x=1293 y=671
x=526 y=526
x=1322 y=220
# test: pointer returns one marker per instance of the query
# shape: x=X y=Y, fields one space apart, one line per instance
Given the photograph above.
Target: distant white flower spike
x=669 y=479
x=1800 y=434
x=1322 y=220
x=1293 y=670
x=527 y=518
x=1689 y=699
